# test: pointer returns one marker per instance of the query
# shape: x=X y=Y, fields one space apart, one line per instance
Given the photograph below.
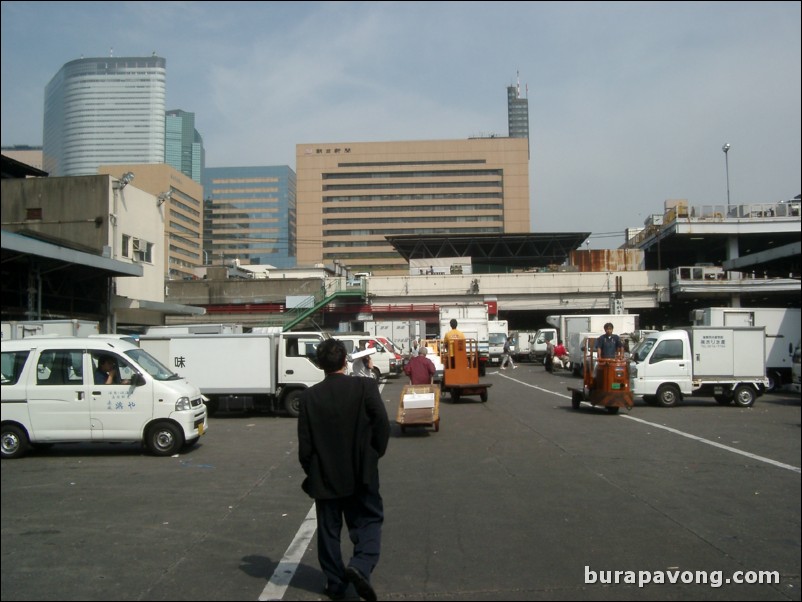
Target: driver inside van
x=107 y=372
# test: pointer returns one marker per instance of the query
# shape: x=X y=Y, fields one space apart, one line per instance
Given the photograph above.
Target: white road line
x=680 y=433
x=285 y=571
x=719 y=445
x=280 y=581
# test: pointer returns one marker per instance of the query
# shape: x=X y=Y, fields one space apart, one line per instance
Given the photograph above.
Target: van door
x=58 y=405
x=298 y=359
x=118 y=411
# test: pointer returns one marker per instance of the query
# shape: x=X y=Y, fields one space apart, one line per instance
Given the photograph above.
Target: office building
x=183 y=145
x=102 y=111
x=249 y=215
x=353 y=195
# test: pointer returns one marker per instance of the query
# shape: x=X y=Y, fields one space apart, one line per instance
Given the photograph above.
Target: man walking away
x=343 y=430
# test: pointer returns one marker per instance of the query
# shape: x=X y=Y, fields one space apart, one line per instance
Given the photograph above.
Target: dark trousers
x=364 y=515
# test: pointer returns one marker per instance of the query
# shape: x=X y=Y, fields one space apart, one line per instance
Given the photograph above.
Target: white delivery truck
x=573 y=329
x=263 y=371
x=472 y=321
x=726 y=363
x=497 y=333
x=537 y=348
x=54 y=392
x=522 y=342
x=386 y=362
x=67 y=328
x=782 y=325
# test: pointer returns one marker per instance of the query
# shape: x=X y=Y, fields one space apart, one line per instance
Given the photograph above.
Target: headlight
x=182 y=404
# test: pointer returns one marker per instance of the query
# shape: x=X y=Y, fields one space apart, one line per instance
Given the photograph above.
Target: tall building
x=101 y=111
x=352 y=195
x=183 y=145
x=249 y=215
x=517 y=112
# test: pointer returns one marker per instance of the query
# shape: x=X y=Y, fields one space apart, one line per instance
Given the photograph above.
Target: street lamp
x=726 y=149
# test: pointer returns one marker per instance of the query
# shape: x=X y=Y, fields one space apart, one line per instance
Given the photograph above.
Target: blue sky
x=629 y=102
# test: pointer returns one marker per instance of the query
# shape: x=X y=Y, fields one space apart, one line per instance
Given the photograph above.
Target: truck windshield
x=497 y=338
x=151 y=365
x=642 y=349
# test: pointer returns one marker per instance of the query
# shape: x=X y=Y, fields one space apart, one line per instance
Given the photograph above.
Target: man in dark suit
x=343 y=430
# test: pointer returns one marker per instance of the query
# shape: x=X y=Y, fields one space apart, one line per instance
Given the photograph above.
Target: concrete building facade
x=180 y=202
x=352 y=195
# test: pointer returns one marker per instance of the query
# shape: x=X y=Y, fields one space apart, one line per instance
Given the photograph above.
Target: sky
x=630 y=103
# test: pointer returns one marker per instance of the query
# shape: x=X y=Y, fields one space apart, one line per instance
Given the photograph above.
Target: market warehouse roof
x=515 y=250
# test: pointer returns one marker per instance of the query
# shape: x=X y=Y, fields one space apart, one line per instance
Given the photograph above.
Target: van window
x=60 y=367
x=667 y=350
x=11 y=366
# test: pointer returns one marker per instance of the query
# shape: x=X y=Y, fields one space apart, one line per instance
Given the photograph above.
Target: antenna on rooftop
x=518 y=86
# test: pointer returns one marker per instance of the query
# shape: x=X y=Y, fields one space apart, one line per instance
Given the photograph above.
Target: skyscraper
x=249 y=215
x=517 y=112
x=101 y=111
x=183 y=145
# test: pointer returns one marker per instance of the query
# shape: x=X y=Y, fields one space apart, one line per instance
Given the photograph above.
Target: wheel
x=668 y=396
x=576 y=399
x=164 y=439
x=723 y=399
x=292 y=402
x=612 y=409
x=455 y=395
x=15 y=442
x=377 y=374
x=483 y=395
x=744 y=396
x=775 y=380
x=437 y=426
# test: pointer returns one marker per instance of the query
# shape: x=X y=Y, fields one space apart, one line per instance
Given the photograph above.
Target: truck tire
x=14 y=442
x=668 y=396
x=164 y=439
x=292 y=402
x=775 y=381
x=576 y=399
x=744 y=396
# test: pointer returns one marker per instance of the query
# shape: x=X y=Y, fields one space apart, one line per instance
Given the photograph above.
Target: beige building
x=352 y=195
x=180 y=199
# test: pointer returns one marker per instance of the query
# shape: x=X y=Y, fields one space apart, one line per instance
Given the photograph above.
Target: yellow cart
x=419 y=406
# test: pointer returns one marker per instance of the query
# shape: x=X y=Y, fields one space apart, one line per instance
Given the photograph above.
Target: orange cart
x=460 y=359
x=605 y=381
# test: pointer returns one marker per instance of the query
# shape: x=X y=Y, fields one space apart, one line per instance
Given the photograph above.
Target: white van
x=49 y=395
x=385 y=361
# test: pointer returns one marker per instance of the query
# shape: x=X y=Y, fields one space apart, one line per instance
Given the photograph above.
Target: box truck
x=726 y=363
x=782 y=326
x=14 y=330
x=472 y=320
x=497 y=333
x=571 y=328
x=262 y=371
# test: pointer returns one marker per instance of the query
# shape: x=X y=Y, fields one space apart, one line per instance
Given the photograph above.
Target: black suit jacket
x=343 y=430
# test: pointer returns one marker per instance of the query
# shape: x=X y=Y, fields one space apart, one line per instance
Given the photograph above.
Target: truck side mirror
x=138 y=380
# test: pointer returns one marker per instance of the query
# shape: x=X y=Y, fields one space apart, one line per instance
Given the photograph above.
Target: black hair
x=453 y=323
x=331 y=355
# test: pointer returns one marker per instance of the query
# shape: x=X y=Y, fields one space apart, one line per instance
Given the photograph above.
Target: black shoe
x=361 y=583
x=334 y=594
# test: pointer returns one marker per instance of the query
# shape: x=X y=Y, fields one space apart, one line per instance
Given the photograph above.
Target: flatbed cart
x=419 y=406
x=460 y=359
x=605 y=381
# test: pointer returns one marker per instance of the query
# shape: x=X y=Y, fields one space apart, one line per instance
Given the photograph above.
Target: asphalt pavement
x=518 y=498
